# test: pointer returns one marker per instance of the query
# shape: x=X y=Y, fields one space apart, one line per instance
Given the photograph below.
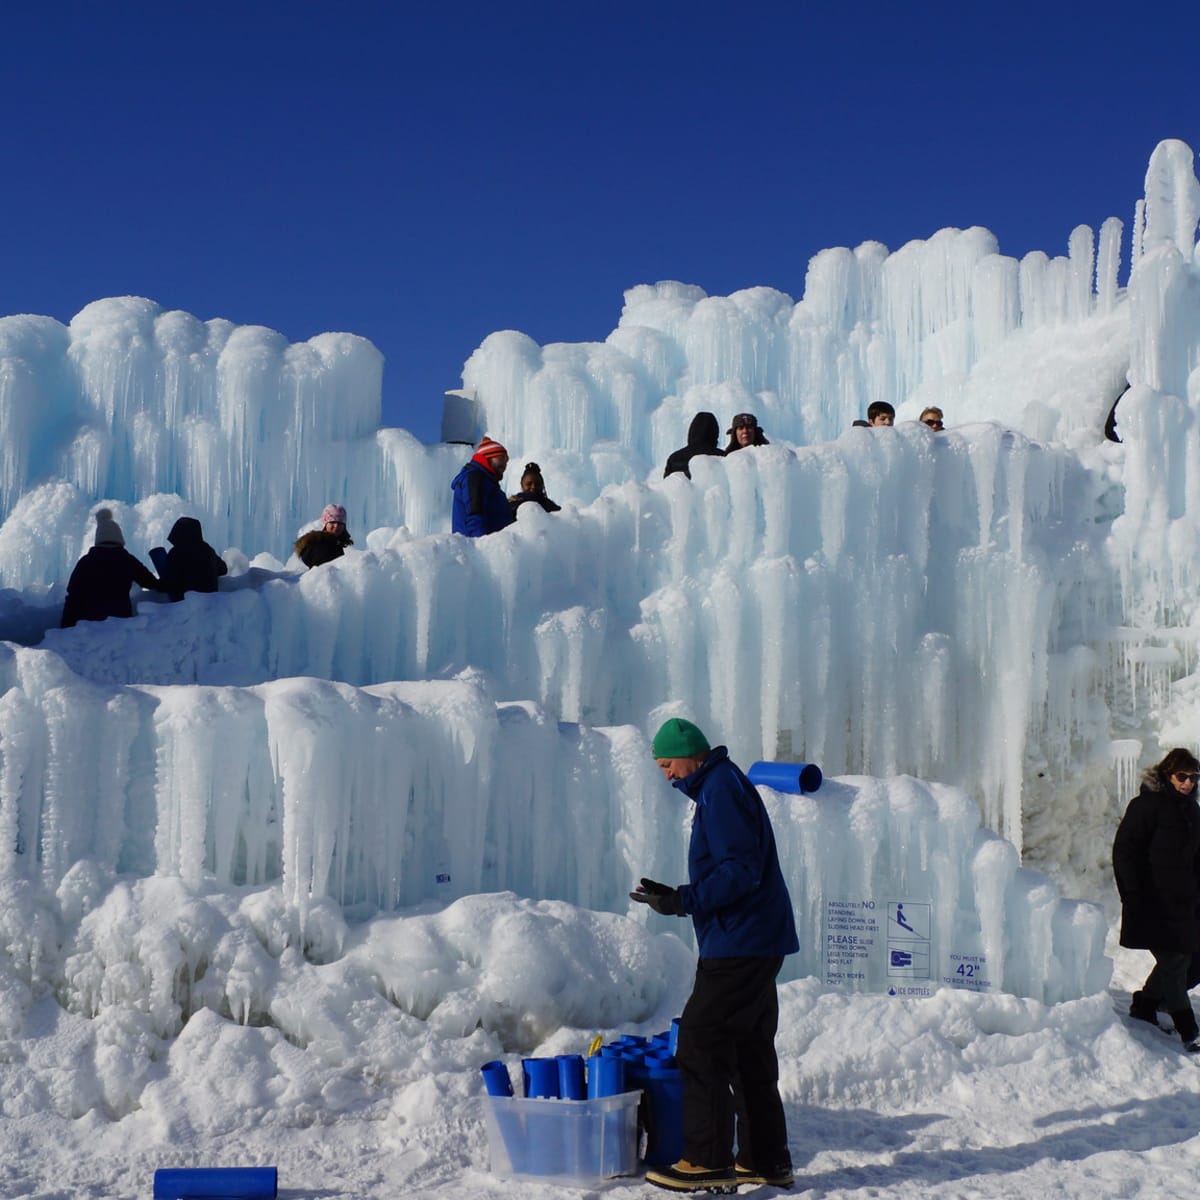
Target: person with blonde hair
x=934 y=418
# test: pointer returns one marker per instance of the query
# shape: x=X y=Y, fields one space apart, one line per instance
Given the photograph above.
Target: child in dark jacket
x=703 y=433
x=192 y=564
x=99 y=584
x=323 y=545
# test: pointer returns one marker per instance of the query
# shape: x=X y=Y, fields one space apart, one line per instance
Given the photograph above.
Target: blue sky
x=423 y=174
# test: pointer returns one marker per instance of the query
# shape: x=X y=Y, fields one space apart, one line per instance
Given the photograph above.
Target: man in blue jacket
x=742 y=914
x=480 y=505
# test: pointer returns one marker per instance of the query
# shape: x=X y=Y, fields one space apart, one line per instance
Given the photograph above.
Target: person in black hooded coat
x=702 y=439
x=1156 y=862
x=192 y=564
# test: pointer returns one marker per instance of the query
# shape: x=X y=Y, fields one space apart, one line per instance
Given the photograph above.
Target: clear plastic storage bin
x=568 y=1141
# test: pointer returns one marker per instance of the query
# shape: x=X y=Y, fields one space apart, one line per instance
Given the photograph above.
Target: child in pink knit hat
x=327 y=543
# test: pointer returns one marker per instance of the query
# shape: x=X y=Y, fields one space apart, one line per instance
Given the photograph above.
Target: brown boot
x=684 y=1176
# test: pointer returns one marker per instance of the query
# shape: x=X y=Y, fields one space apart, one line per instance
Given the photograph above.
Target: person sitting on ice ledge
x=533 y=487
x=480 y=505
x=1156 y=861
x=742 y=915
x=323 y=545
x=880 y=412
x=702 y=439
x=745 y=431
x=192 y=564
x=99 y=584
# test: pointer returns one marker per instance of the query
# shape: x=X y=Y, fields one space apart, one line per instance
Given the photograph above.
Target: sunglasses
x=1186 y=776
x=933 y=423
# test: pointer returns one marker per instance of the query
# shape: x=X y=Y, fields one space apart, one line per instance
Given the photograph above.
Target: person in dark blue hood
x=192 y=564
x=742 y=915
x=703 y=433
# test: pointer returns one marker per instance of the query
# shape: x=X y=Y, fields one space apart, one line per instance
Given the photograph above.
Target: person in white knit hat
x=99 y=584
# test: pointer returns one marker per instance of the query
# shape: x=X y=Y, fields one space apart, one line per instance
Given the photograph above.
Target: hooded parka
x=1156 y=861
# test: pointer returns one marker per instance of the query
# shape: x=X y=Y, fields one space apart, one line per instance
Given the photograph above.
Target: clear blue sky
x=425 y=173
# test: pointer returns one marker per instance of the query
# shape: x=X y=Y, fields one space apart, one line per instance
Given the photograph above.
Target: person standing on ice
x=1156 y=861
x=702 y=439
x=99 y=584
x=742 y=915
x=319 y=546
x=745 y=431
x=480 y=505
x=192 y=564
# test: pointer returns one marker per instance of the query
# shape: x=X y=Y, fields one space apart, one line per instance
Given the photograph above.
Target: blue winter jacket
x=738 y=901
x=480 y=505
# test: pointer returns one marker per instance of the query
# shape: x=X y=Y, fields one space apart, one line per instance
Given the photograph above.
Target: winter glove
x=661 y=898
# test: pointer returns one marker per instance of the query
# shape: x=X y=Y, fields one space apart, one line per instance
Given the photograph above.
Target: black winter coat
x=99 y=585
x=192 y=564
x=1156 y=861
x=702 y=439
x=541 y=498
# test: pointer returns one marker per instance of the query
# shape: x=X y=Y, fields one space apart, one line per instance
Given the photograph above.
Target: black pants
x=1167 y=984
x=727 y=1059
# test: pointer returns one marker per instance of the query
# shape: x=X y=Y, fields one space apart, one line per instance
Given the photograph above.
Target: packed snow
x=284 y=865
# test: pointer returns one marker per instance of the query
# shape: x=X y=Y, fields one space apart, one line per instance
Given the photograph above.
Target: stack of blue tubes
x=576 y=1121
x=542 y=1140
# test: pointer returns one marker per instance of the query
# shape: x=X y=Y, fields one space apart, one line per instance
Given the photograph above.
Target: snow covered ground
x=958 y=1095
x=281 y=867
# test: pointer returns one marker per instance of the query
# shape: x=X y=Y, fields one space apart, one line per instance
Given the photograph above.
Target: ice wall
x=857 y=601
x=909 y=327
x=1006 y=607
x=385 y=796
x=253 y=434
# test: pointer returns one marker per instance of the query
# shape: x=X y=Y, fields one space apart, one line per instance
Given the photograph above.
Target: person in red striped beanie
x=480 y=505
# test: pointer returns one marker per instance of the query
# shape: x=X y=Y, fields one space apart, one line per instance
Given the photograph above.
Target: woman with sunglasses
x=1156 y=861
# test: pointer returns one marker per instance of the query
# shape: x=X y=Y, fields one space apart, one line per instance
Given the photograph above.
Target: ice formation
x=1006 y=608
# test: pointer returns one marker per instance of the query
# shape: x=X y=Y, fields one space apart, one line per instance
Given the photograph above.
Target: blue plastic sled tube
x=541 y=1078
x=496 y=1078
x=786 y=777
x=216 y=1183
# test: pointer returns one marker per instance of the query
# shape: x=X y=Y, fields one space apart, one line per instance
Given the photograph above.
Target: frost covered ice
x=282 y=866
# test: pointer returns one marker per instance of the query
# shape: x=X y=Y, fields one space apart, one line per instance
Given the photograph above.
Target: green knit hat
x=678 y=738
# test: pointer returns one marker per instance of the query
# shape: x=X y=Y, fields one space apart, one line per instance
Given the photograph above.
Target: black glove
x=661 y=898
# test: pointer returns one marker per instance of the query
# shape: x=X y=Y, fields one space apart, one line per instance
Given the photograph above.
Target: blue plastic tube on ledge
x=796 y=778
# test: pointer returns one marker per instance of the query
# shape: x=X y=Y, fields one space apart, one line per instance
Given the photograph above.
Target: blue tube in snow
x=796 y=778
x=216 y=1183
